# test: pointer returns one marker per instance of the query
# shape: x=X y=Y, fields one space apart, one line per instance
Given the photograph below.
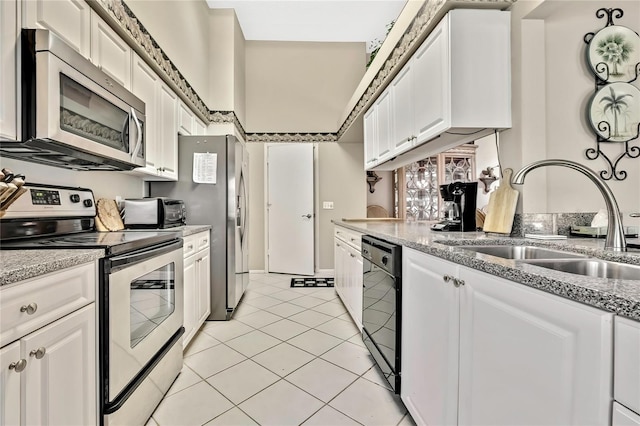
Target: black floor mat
x=312 y=282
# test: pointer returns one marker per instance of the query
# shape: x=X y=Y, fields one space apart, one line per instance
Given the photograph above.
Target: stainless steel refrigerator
x=222 y=204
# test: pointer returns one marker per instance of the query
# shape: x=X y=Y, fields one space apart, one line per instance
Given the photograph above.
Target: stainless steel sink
x=522 y=252
x=591 y=267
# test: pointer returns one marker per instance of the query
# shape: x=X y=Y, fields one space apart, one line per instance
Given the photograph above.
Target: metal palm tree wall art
x=613 y=54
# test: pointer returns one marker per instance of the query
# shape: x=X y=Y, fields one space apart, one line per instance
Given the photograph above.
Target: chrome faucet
x=615 y=232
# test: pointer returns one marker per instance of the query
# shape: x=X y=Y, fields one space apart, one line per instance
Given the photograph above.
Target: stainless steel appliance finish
x=381 y=307
x=222 y=205
x=140 y=294
x=73 y=114
x=154 y=212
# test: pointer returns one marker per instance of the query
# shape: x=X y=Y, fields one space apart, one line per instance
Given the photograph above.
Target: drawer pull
x=205 y=241
x=30 y=309
x=19 y=366
x=458 y=282
x=190 y=246
x=447 y=278
x=352 y=255
x=38 y=353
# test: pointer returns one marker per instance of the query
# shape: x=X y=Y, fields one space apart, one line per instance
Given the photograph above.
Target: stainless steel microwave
x=73 y=114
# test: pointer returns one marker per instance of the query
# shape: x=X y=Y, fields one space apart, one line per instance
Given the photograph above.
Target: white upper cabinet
x=370 y=138
x=199 y=128
x=456 y=87
x=9 y=37
x=185 y=120
x=168 y=132
x=402 y=109
x=69 y=19
x=145 y=84
x=109 y=52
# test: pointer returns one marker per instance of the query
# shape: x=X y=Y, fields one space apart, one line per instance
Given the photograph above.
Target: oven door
x=144 y=310
x=76 y=111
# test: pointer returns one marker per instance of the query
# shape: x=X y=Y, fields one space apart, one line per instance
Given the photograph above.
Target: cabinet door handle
x=458 y=282
x=205 y=241
x=30 y=309
x=18 y=366
x=190 y=246
x=38 y=353
x=337 y=245
x=352 y=255
x=447 y=278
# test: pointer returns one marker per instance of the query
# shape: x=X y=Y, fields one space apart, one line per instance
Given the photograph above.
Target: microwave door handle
x=139 y=128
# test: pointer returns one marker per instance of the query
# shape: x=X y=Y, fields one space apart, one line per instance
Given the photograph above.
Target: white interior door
x=290 y=208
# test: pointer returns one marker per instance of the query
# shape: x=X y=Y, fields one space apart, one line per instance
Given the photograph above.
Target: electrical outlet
x=327 y=205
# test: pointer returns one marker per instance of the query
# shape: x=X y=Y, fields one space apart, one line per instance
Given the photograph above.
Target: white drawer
x=353 y=238
x=627 y=363
x=53 y=296
x=203 y=240
x=624 y=417
x=189 y=245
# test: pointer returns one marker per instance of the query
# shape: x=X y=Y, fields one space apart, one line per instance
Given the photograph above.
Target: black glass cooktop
x=112 y=242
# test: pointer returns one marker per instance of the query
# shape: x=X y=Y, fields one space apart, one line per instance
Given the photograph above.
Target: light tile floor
x=289 y=356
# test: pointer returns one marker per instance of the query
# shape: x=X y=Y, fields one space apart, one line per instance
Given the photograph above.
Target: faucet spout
x=615 y=232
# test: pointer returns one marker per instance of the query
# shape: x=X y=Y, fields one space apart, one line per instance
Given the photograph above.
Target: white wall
x=552 y=85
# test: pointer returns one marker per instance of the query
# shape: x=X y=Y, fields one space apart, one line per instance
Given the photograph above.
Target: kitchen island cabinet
x=513 y=355
x=48 y=362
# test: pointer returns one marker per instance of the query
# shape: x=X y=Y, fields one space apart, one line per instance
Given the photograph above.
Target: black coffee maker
x=459 y=207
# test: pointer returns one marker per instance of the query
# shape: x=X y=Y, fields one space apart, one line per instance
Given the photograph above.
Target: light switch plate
x=327 y=205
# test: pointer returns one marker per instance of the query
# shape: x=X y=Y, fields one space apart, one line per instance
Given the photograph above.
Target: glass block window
x=421 y=191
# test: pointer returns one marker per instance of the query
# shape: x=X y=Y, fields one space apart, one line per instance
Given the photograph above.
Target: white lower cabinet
x=627 y=363
x=513 y=356
x=197 y=283
x=48 y=376
x=622 y=416
x=348 y=271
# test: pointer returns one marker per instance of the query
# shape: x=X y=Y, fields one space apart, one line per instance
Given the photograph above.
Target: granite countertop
x=19 y=265
x=191 y=229
x=615 y=295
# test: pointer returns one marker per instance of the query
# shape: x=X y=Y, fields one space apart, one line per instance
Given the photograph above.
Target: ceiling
x=314 y=20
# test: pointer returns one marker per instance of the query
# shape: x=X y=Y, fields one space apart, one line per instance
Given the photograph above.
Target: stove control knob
x=75 y=198
x=385 y=260
x=88 y=202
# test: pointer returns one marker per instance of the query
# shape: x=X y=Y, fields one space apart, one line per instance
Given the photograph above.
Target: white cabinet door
x=355 y=289
x=168 y=129
x=109 y=52
x=622 y=416
x=384 y=126
x=431 y=96
x=340 y=281
x=529 y=357
x=10 y=399
x=199 y=128
x=60 y=380
x=185 y=120
x=429 y=357
x=145 y=84
x=69 y=19
x=204 y=285
x=402 y=111
x=370 y=138
x=627 y=363
x=190 y=299
x=8 y=42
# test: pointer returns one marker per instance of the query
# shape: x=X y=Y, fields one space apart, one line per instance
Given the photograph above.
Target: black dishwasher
x=381 y=305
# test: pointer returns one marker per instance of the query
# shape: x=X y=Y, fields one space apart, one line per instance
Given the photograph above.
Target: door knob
x=38 y=353
x=30 y=309
x=308 y=216
x=18 y=366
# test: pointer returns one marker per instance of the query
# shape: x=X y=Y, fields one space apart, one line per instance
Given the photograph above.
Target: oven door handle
x=129 y=259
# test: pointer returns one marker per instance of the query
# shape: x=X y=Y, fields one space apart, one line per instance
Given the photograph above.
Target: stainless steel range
x=140 y=294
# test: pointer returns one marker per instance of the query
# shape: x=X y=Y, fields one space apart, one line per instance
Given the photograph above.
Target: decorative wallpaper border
x=118 y=13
